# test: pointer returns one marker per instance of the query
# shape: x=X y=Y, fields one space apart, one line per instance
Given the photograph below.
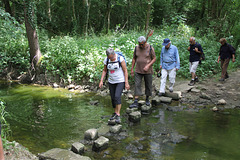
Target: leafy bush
x=13 y=43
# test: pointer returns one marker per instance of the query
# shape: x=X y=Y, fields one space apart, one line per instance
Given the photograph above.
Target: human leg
x=148 y=87
x=224 y=66
x=193 y=68
x=163 y=80
x=172 y=76
x=112 y=89
x=138 y=90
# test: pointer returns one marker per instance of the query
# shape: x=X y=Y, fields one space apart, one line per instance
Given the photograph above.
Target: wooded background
x=102 y=24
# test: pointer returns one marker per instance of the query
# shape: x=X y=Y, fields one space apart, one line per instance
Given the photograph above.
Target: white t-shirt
x=115 y=71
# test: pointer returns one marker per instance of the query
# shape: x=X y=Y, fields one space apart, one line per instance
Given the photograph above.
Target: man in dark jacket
x=226 y=53
x=196 y=51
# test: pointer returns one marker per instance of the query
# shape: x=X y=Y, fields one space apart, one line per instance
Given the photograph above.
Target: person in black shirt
x=196 y=51
x=226 y=53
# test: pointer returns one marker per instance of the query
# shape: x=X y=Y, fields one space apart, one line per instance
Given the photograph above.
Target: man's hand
x=132 y=72
x=127 y=86
x=233 y=59
x=146 y=68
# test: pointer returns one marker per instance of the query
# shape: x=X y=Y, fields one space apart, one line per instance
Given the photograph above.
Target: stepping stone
x=100 y=144
x=91 y=134
x=115 y=129
x=135 y=116
x=146 y=109
x=130 y=110
x=176 y=95
x=77 y=148
x=166 y=99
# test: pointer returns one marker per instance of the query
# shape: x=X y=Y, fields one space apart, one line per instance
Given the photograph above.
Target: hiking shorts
x=193 y=66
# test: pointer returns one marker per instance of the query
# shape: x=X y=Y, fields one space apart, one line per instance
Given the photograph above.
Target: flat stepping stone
x=59 y=154
x=176 y=95
x=100 y=144
x=115 y=129
x=91 y=134
x=77 y=148
x=135 y=116
x=165 y=99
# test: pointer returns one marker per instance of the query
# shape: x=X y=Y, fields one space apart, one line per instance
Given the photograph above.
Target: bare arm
x=104 y=72
x=124 y=67
x=133 y=64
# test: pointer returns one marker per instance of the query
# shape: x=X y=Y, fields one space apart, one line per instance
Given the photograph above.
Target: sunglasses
x=141 y=44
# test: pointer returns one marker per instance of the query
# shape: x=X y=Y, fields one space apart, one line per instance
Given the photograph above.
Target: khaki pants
x=224 y=66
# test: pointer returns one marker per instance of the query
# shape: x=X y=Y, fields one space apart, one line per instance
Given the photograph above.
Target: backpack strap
x=118 y=58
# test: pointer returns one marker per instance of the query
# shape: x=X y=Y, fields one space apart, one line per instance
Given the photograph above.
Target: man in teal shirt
x=169 y=63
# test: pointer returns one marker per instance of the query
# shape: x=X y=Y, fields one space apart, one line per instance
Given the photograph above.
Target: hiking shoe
x=118 y=119
x=134 y=105
x=221 y=79
x=226 y=76
x=191 y=83
x=161 y=94
x=113 y=116
x=171 y=90
x=196 y=80
x=148 y=103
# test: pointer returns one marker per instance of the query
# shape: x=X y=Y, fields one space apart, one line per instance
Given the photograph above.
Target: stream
x=42 y=118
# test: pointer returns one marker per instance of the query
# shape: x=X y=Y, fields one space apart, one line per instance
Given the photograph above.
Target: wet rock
x=141 y=102
x=135 y=116
x=55 y=85
x=132 y=148
x=215 y=109
x=77 y=148
x=94 y=102
x=100 y=144
x=91 y=134
x=176 y=138
x=71 y=86
x=176 y=95
x=115 y=129
x=166 y=99
x=111 y=122
x=146 y=109
x=130 y=110
x=221 y=102
x=59 y=154
x=156 y=101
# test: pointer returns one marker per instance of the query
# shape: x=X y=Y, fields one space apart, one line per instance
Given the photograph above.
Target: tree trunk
x=129 y=14
x=88 y=4
x=73 y=10
x=35 y=53
x=7 y=7
x=108 y=15
x=148 y=15
x=49 y=10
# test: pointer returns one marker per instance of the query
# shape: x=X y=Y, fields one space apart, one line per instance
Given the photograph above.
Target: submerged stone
x=115 y=129
x=60 y=154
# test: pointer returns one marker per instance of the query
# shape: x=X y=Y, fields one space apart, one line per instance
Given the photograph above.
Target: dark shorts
x=116 y=92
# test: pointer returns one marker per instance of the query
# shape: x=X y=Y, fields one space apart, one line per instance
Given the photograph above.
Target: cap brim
x=164 y=44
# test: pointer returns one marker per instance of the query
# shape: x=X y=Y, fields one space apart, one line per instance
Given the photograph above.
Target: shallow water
x=43 y=118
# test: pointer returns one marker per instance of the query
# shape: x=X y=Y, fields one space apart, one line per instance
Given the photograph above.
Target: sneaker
x=134 y=105
x=171 y=90
x=226 y=76
x=191 y=83
x=196 y=80
x=161 y=94
x=148 y=103
x=221 y=79
x=113 y=116
x=118 y=119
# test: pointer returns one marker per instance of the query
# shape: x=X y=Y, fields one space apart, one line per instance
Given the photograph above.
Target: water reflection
x=43 y=118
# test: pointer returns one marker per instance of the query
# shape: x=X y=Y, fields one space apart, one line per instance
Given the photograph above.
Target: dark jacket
x=226 y=51
x=194 y=56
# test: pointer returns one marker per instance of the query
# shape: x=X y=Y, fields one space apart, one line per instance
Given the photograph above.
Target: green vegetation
x=77 y=58
x=5 y=127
